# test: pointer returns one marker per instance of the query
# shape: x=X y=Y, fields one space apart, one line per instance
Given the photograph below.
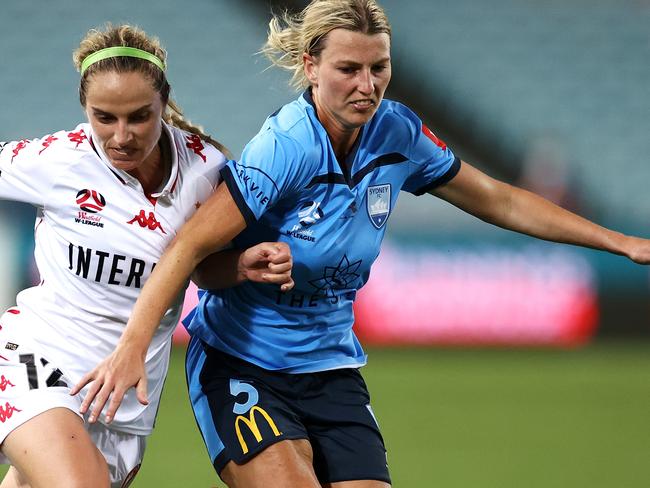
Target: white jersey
x=98 y=237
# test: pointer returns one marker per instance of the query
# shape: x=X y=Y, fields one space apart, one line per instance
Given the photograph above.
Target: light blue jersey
x=290 y=187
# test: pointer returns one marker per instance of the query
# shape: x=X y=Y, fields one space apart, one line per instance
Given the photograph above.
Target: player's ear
x=311 y=68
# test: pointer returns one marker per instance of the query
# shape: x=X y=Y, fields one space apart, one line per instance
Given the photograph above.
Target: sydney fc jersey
x=290 y=186
x=97 y=238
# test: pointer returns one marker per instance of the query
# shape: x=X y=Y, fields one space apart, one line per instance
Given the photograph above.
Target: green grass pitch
x=458 y=418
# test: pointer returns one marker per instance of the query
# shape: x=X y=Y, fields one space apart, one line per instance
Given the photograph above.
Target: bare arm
x=215 y=224
x=522 y=211
x=267 y=262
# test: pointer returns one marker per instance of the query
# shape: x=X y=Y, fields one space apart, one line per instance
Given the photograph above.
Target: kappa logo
x=19 y=147
x=7 y=411
x=194 y=143
x=77 y=137
x=47 y=142
x=378 y=204
x=5 y=383
x=149 y=222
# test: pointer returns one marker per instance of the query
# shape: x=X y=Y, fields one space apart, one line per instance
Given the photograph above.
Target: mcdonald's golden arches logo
x=251 y=423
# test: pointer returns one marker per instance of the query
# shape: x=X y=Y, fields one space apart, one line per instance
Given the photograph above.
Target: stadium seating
x=521 y=70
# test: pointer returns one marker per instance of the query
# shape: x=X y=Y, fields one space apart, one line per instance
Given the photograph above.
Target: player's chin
x=360 y=118
x=125 y=164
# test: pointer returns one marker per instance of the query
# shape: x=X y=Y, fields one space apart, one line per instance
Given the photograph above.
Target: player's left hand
x=267 y=262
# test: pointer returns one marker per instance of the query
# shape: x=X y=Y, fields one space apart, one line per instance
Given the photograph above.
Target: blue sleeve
x=271 y=168
x=432 y=163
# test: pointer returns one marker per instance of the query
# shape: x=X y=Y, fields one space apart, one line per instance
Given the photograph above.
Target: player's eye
x=105 y=118
x=139 y=117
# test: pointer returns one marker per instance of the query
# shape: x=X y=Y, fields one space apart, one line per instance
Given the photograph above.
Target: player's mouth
x=122 y=153
x=363 y=105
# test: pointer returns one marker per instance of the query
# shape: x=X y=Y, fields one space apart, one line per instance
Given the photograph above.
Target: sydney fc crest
x=378 y=202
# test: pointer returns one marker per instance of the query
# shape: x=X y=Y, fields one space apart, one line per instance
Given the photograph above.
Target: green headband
x=112 y=52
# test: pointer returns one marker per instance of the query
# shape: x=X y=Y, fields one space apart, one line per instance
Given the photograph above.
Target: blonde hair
x=131 y=36
x=292 y=35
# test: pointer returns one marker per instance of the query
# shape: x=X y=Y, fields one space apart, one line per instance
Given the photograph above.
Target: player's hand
x=111 y=379
x=267 y=262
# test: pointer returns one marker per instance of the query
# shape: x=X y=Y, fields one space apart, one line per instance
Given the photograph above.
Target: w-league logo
x=90 y=201
x=310 y=213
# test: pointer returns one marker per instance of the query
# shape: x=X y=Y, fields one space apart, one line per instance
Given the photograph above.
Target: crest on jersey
x=378 y=204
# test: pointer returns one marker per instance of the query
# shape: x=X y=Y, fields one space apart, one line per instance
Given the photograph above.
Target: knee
x=96 y=476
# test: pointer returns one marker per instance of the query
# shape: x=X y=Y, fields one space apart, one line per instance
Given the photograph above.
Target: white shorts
x=31 y=385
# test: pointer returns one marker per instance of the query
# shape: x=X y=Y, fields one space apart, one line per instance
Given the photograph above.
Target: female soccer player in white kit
x=110 y=195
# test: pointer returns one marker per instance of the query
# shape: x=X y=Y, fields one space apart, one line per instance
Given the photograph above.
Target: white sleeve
x=28 y=169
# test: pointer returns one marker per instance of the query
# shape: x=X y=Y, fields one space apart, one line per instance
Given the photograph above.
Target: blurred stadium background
x=496 y=360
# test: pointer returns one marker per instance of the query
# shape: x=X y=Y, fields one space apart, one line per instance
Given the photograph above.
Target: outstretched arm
x=522 y=211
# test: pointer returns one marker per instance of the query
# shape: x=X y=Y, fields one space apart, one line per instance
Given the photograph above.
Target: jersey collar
x=346 y=164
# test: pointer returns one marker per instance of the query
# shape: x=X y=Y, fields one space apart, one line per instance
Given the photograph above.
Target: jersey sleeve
x=432 y=163
x=271 y=167
x=27 y=171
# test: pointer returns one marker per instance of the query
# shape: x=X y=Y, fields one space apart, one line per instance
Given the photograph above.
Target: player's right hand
x=267 y=262
x=122 y=369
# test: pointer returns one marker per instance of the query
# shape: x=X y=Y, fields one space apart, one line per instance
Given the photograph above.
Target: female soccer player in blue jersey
x=273 y=377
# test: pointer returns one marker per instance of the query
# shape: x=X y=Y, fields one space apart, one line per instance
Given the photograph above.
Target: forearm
x=166 y=282
x=219 y=270
x=522 y=211
x=525 y=212
x=213 y=226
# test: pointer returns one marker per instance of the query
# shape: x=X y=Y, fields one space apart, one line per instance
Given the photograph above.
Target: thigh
x=41 y=432
x=343 y=431
x=53 y=449
x=239 y=407
x=285 y=463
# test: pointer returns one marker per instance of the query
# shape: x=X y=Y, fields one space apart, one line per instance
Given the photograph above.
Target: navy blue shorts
x=241 y=409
